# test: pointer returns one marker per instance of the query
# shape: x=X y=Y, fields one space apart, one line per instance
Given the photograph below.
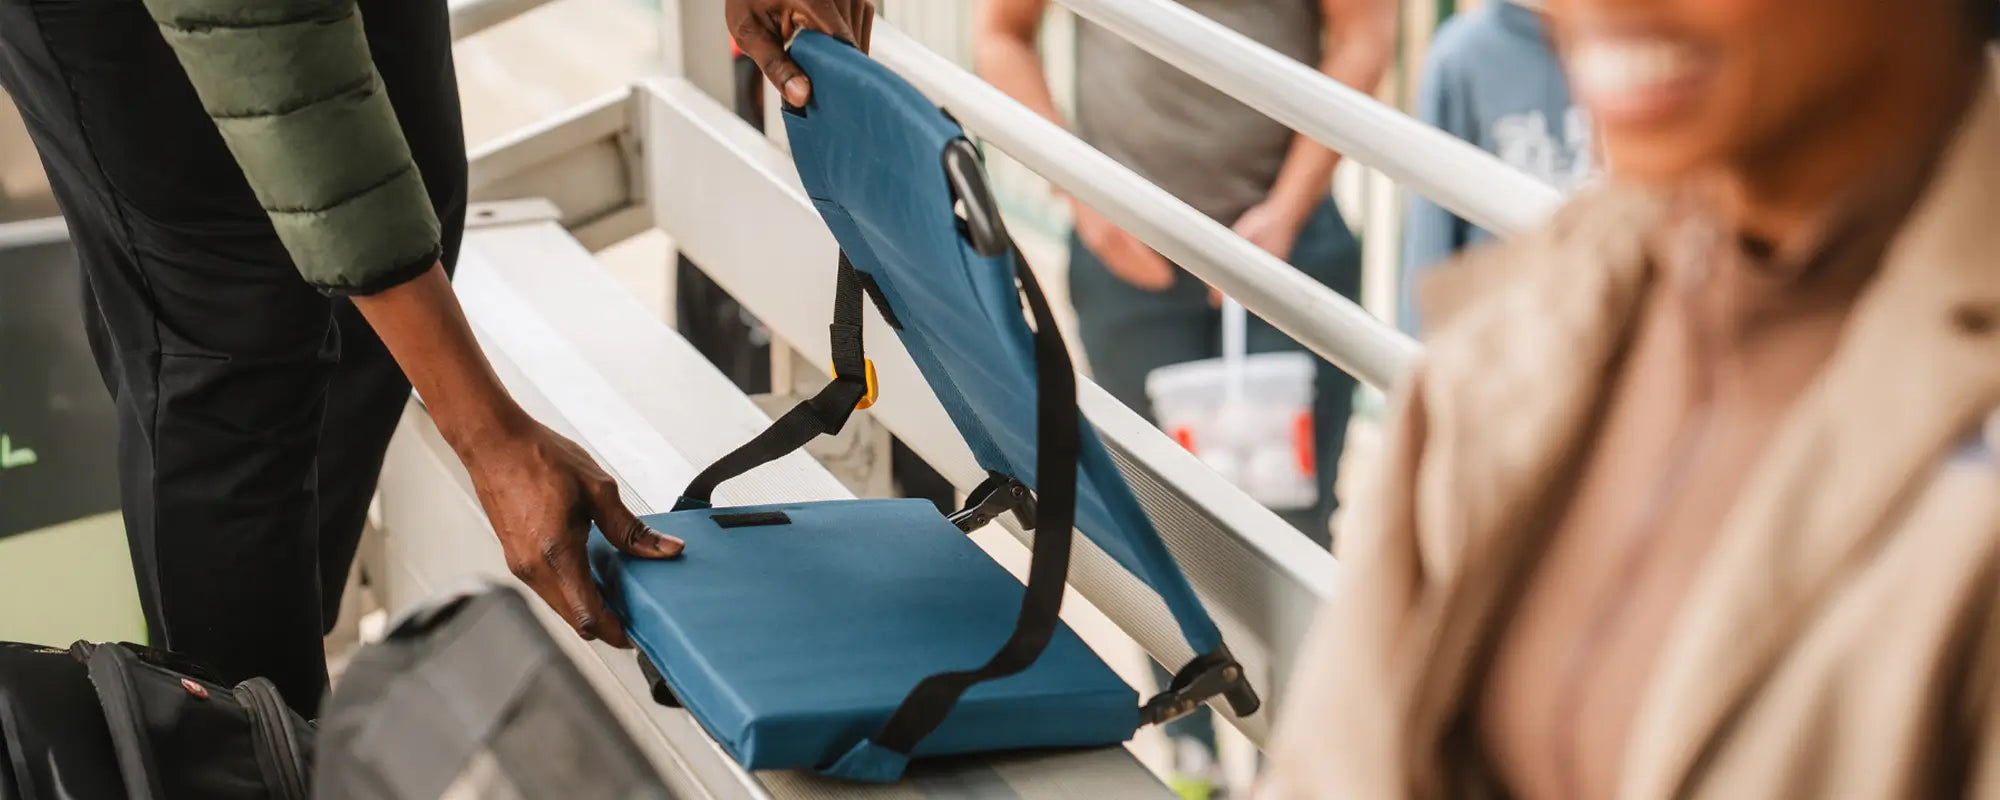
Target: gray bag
x=469 y=697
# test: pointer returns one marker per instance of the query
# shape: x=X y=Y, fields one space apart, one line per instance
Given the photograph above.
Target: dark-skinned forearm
x=425 y=329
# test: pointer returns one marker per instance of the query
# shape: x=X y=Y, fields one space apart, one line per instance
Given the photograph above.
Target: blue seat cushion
x=869 y=150
x=791 y=632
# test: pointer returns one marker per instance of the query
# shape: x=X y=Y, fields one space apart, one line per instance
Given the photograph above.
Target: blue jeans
x=1128 y=332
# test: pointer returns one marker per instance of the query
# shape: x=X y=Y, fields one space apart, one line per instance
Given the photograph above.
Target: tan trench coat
x=1843 y=638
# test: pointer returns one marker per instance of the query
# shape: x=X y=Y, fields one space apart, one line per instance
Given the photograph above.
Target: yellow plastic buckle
x=874 y=389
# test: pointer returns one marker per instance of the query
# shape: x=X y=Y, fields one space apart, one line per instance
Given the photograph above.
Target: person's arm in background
x=1360 y=41
x=292 y=87
x=1430 y=233
x=1004 y=53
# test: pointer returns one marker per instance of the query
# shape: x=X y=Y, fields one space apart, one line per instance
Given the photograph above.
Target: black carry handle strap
x=824 y=413
x=1058 y=445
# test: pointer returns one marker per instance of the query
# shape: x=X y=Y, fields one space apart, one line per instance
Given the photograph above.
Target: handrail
x=1309 y=312
x=33 y=232
x=472 y=16
x=1452 y=173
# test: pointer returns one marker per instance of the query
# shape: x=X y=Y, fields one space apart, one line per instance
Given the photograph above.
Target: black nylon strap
x=849 y=362
x=822 y=414
x=881 y=303
x=1057 y=447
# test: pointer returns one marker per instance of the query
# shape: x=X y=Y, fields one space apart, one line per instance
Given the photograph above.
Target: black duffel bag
x=468 y=697
x=126 y=721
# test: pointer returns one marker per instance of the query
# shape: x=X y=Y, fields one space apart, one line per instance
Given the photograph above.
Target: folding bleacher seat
x=850 y=636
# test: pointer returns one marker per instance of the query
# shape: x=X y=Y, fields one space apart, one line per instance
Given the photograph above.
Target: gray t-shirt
x=1208 y=149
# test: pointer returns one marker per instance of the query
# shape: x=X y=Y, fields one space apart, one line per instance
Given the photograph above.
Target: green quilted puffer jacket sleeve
x=292 y=87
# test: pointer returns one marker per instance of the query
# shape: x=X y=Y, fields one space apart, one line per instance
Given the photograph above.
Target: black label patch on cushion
x=751 y=519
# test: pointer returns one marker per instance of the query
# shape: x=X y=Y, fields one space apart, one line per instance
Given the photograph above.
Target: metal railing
x=1450 y=172
x=1453 y=173
x=472 y=16
x=1318 y=317
x=32 y=232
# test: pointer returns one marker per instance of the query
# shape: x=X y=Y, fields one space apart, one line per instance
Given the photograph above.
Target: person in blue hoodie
x=1492 y=79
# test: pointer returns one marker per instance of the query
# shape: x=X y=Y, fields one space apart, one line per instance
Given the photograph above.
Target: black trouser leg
x=215 y=357
x=364 y=402
x=411 y=43
x=223 y=363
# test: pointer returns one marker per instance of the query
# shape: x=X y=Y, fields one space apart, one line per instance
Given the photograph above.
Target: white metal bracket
x=502 y=213
x=587 y=162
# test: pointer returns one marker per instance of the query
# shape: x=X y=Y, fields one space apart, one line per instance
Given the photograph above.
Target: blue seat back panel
x=869 y=149
x=791 y=642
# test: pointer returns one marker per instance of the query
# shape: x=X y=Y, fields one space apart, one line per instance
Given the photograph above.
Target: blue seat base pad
x=794 y=633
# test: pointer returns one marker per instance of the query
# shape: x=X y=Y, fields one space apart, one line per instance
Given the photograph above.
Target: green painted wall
x=68 y=582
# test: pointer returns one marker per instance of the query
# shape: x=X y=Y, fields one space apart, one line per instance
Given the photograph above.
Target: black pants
x=253 y=411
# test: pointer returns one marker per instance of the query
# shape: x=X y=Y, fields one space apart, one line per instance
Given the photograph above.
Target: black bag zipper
x=281 y=751
x=111 y=674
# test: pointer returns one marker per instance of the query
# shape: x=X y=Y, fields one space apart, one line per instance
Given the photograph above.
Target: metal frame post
x=694 y=44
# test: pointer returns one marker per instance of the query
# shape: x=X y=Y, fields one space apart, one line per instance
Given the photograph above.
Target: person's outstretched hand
x=1122 y=253
x=542 y=492
x=762 y=28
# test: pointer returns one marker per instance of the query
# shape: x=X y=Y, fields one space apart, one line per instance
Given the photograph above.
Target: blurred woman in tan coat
x=1696 y=492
